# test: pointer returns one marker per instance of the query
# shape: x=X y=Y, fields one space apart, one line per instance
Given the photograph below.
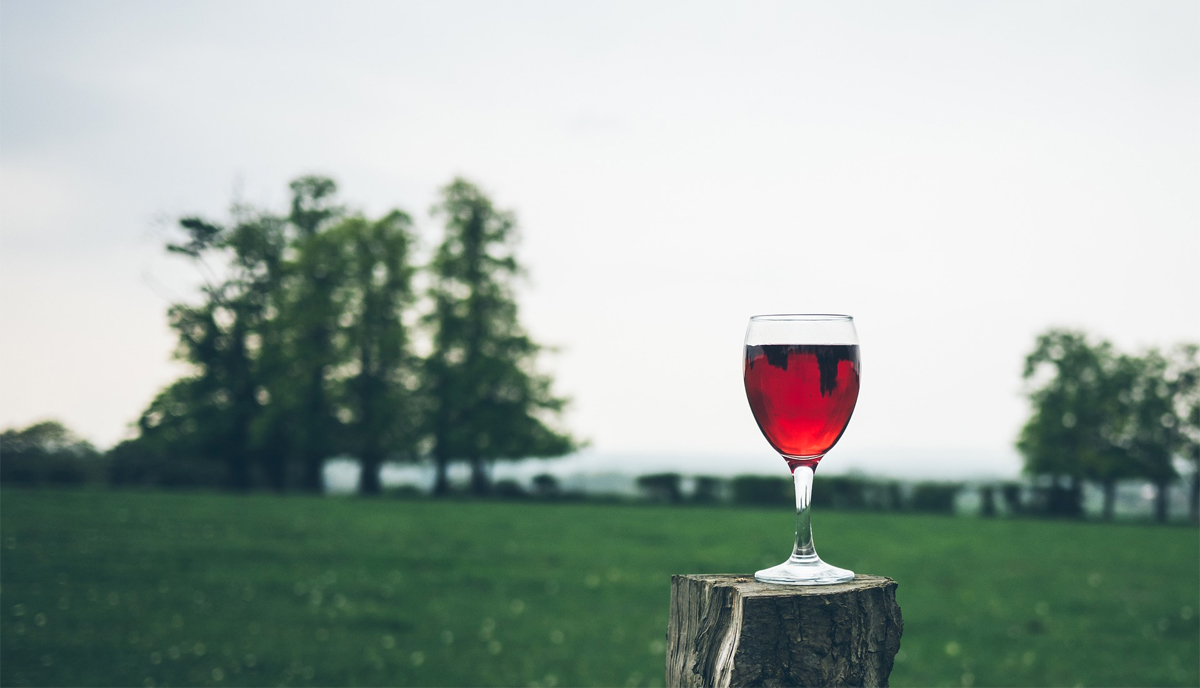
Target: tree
x=488 y=401
x=381 y=394
x=222 y=337
x=1067 y=435
x=259 y=241
x=311 y=311
x=1154 y=438
x=1185 y=368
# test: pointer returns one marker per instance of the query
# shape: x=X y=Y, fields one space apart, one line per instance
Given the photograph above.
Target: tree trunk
x=1194 y=497
x=1065 y=501
x=987 y=501
x=274 y=456
x=239 y=472
x=1012 y=498
x=314 y=427
x=370 y=435
x=243 y=406
x=441 y=481
x=1161 y=492
x=368 y=475
x=1074 y=505
x=239 y=449
x=275 y=463
x=1110 y=498
x=313 y=479
x=481 y=484
x=735 y=631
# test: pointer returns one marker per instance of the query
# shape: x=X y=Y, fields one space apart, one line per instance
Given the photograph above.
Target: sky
x=957 y=176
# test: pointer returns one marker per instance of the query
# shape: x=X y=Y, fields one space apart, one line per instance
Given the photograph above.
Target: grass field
x=112 y=588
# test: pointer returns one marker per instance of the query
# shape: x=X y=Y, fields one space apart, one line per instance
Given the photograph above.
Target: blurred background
x=493 y=264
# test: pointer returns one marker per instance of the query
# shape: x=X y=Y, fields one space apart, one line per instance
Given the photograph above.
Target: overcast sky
x=958 y=176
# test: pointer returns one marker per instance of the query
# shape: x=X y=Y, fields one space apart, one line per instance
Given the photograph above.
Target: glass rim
x=801 y=317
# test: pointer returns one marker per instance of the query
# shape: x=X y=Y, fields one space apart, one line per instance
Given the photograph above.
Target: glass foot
x=804 y=571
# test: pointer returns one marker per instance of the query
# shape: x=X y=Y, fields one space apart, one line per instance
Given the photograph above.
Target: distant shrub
x=1012 y=494
x=839 y=492
x=1057 y=501
x=509 y=489
x=987 y=501
x=662 y=487
x=47 y=453
x=935 y=498
x=405 y=492
x=546 y=486
x=760 y=490
x=135 y=462
x=887 y=496
x=706 y=489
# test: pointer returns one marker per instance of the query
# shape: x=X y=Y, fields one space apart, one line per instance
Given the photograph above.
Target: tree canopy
x=488 y=400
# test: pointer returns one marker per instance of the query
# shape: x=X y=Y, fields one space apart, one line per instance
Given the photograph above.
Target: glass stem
x=804 y=549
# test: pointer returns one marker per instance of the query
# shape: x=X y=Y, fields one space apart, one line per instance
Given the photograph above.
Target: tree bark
x=735 y=631
x=441 y=481
x=275 y=462
x=1194 y=497
x=1161 y=504
x=1074 y=505
x=369 y=482
x=987 y=501
x=481 y=484
x=274 y=456
x=1110 y=498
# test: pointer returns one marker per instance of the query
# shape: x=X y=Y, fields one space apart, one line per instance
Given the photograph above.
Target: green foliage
x=546 y=486
x=854 y=492
x=848 y=493
x=114 y=588
x=1077 y=413
x=707 y=490
x=662 y=487
x=760 y=490
x=488 y=401
x=138 y=463
x=509 y=489
x=839 y=492
x=48 y=453
x=935 y=498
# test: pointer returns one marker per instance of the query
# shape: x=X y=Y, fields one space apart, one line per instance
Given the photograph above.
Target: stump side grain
x=729 y=630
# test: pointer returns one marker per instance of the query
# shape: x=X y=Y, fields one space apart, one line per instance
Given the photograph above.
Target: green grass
x=113 y=588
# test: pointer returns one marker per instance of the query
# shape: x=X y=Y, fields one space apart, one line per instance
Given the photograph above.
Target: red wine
x=802 y=396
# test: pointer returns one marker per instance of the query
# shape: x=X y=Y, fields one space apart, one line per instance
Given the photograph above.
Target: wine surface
x=802 y=395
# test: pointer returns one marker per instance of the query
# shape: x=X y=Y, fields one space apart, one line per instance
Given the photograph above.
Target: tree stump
x=735 y=631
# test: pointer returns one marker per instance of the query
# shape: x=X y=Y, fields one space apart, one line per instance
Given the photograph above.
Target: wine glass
x=801 y=375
